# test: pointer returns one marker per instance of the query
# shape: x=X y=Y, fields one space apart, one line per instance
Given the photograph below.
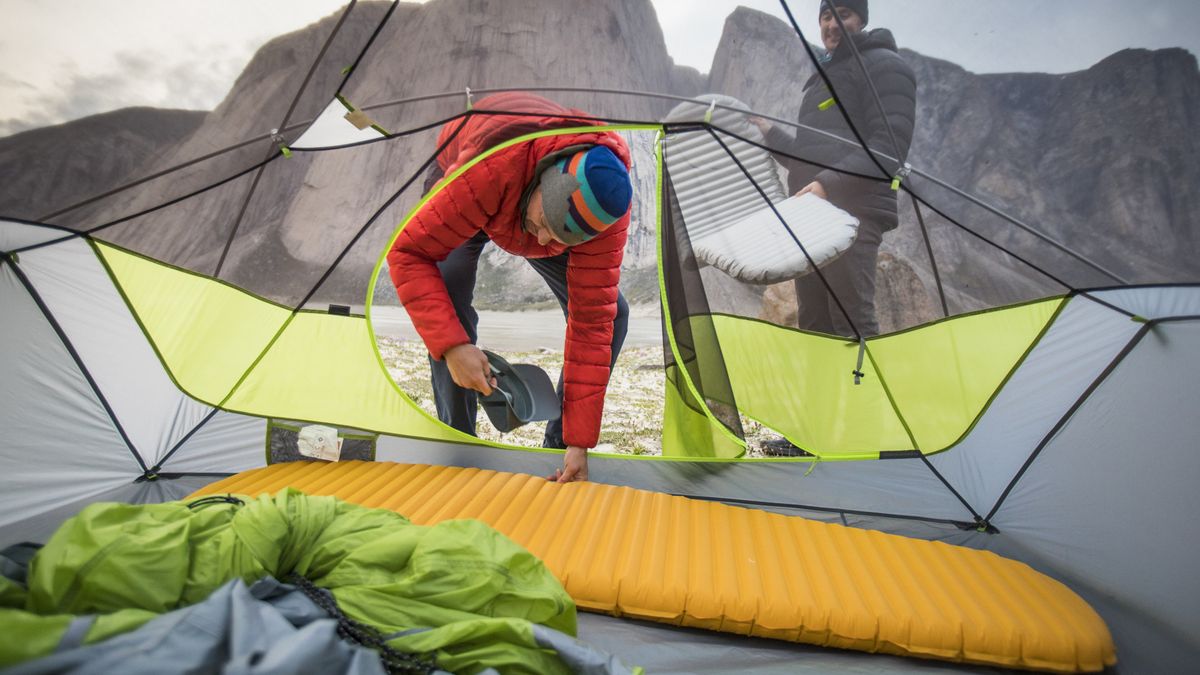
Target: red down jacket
x=487 y=197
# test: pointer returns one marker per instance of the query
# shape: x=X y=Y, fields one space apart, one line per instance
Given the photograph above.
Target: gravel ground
x=633 y=410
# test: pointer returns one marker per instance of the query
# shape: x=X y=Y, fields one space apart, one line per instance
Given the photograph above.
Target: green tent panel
x=252 y=356
x=921 y=389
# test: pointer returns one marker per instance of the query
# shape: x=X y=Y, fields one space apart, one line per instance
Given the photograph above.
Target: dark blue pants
x=457 y=406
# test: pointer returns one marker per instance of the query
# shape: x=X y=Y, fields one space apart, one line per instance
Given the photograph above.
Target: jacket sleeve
x=779 y=139
x=450 y=217
x=897 y=87
x=593 y=276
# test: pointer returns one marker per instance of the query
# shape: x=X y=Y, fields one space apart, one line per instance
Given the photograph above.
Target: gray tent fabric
x=1083 y=463
x=1107 y=506
x=268 y=628
x=38 y=528
x=583 y=658
x=88 y=395
x=1126 y=520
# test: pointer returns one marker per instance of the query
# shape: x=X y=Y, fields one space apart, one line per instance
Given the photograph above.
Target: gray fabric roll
x=266 y=629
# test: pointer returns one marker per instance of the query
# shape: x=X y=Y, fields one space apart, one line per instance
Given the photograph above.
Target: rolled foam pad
x=686 y=562
x=727 y=210
x=760 y=248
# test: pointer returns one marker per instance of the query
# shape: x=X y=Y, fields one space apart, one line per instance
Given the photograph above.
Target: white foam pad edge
x=758 y=249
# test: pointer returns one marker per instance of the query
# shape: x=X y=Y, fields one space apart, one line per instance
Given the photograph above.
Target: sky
x=65 y=59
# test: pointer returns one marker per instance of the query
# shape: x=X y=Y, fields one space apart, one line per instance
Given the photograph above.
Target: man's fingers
x=567 y=475
x=469 y=368
x=485 y=381
x=471 y=380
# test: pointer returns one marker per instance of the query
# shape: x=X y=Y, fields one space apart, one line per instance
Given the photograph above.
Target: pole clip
x=277 y=138
x=470 y=101
x=901 y=175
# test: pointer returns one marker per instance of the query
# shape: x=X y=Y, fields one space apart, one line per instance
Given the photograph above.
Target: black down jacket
x=871 y=201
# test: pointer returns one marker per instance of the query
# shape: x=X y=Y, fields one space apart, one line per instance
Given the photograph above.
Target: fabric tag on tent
x=359 y=119
x=320 y=442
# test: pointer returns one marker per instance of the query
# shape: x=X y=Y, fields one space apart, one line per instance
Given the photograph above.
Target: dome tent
x=164 y=326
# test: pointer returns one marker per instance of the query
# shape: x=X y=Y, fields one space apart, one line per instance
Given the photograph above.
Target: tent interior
x=180 y=293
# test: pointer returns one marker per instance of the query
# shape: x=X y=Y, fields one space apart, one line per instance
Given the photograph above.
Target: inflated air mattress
x=653 y=556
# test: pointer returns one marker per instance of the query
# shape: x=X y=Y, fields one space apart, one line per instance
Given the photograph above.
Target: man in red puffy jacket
x=559 y=201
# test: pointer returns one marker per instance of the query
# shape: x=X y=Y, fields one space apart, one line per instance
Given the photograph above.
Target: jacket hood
x=879 y=38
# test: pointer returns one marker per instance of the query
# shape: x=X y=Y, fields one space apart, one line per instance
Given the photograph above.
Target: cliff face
x=306 y=209
x=50 y=167
x=1103 y=160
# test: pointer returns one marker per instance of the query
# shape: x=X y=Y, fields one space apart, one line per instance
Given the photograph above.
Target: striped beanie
x=585 y=193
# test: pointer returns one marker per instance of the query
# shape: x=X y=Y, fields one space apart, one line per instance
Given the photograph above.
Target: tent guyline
x=261 y=166
x=1142 y=332
x=886 y=174
x=86 y=234
x=348 y=71
x=862 y=142
x=979 y=202
x=1071 y=289
x=233 y=230
x=262 y=302
x=72 y=234
x=277 y=154
x=428 y=97
x=153 y=472
x=887 y=124
x=378 y=212
x=321 y=57
x=782 y=221
x=874 y=156
x=148 y=473
x=1066 y=286
x=237 y=222
x=282 y=128
x=295 y=310
x=937 y=277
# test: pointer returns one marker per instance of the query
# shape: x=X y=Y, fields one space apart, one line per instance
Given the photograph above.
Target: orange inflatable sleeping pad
x=648 y=555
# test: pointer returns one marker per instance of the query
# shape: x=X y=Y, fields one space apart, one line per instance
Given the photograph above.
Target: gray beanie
x=859 y=7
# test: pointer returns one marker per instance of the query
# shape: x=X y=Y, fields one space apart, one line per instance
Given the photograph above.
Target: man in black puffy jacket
x=873 y=202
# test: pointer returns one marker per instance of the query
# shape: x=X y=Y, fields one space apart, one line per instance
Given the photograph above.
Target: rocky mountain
x=45 y=169
x=1103 y=160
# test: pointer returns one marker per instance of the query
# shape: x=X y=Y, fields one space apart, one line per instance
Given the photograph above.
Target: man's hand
x=469 y=368
x=763 y=125
x=815 y=188
x=574 y=466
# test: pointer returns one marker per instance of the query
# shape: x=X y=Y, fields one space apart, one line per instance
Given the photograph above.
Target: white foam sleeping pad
x=729 y=224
